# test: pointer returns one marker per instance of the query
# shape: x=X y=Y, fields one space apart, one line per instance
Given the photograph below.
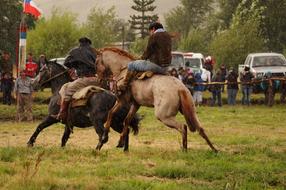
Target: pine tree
x=141 y=22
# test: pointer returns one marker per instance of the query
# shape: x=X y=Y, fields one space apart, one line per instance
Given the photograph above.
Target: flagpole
x=22 y=44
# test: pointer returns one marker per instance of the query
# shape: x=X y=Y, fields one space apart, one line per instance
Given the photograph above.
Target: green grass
x=251 y=141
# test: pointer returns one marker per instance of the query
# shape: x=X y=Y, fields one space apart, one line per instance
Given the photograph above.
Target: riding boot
x=62 y=115
x=127 y=78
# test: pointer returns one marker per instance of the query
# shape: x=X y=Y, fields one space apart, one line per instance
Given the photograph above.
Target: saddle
x=81 y=97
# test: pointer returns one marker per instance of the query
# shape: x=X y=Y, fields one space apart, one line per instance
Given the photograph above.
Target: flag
x=31 y=8
x=23 y=35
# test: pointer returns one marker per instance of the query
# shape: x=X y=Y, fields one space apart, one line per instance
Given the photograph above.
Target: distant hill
x=122 y=7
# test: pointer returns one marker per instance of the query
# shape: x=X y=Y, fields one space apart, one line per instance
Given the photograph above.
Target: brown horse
x=167 y=94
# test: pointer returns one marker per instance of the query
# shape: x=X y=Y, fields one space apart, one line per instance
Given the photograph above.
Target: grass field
x=251 y=140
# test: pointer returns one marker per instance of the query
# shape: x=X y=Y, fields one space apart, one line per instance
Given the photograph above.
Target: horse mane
x=118 y=51
x=57 y=64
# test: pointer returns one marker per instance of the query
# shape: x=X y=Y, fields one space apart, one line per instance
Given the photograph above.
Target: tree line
x=226 y=29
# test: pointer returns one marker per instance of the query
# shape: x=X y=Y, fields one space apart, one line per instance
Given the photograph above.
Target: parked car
x=261 y=64
x=194 y=61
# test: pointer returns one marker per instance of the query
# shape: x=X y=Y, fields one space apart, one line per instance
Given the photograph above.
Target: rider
x=82 y=59
x=156 y=58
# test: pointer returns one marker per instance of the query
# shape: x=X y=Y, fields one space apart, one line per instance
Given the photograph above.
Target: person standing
x=31 y=67
x=42 y=61
x=198 y=89
x=232 y=86
x=216 y=89
x=7 y=86
x=246 y=79
x=23 y=91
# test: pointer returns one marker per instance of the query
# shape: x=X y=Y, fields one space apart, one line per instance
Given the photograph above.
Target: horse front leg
x=107 y=124
x=124 y=136
x=66 y=135
x=99 y=128
x=44 y=124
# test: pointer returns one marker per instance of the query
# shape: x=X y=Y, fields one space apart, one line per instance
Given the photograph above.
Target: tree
x=195 y=41
x=141 y=22
x=54 y=36
x=10 y=17
x=226 y=12
x=138 y=46
x=103 y=27
x=189 y=15
x=230 y=47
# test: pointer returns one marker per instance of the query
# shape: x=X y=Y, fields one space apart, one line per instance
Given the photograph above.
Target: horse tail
x=134 y=124
x=189 y=111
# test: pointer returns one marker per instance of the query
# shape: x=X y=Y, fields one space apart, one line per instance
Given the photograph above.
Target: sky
x=82 y=7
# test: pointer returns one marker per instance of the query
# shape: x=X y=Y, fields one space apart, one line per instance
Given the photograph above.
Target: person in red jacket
x=31 y=67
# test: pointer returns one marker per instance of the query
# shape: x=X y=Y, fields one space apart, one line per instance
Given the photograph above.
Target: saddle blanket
x=81 y=97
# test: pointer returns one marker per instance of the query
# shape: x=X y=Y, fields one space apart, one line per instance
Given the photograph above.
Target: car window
x=193 y=62
x=263 y=61
x=177 y=60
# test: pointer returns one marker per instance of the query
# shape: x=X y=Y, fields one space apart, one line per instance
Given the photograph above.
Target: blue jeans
x=246 y=93
x=216 y=96
x=231 y=96
x=145 y=65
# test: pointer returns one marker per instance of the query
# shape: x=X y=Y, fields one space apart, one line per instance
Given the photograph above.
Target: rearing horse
x=167 y=94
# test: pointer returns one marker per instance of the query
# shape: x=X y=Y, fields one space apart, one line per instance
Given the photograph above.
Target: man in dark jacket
x=82 y=59
x=216 y=89
x=246 y=79
x=232 y=86
x=7 y=87
x=156 y=57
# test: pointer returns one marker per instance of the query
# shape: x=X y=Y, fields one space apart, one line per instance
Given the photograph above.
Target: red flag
x=31 y=8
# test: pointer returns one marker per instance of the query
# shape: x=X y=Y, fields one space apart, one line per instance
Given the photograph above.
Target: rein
x=56 y=76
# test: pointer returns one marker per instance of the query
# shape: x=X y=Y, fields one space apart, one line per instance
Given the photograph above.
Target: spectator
x=42 y=61
x=7 y=86
x=174 y=73
x=232 y=86
x=206 y=75
x=209 y=64
x=189 y=79
x=181 y=73
x=246 y=79
x=31 y=67
x=283 y=91
x=23 y=91
x=223 y=72
x=198 y=89
x=216 y=89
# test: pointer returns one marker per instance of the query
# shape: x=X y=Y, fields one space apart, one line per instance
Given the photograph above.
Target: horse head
x=112 y=61
x=49 y=72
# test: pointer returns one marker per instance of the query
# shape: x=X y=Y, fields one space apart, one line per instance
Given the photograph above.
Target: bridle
x=50 y=75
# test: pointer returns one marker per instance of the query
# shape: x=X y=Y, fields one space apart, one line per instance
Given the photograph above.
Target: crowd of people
x=215 y=81
x=21 y=89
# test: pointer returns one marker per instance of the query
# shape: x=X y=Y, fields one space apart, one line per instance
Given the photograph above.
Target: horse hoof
x=104 y=138
x=120 y=145
x=29 y=144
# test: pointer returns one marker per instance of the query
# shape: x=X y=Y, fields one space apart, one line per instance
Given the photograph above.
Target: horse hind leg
x=189 y=112
x=172 y=123
x=44 y=124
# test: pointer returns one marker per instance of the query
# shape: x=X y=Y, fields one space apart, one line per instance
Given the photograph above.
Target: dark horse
x=93 y=114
